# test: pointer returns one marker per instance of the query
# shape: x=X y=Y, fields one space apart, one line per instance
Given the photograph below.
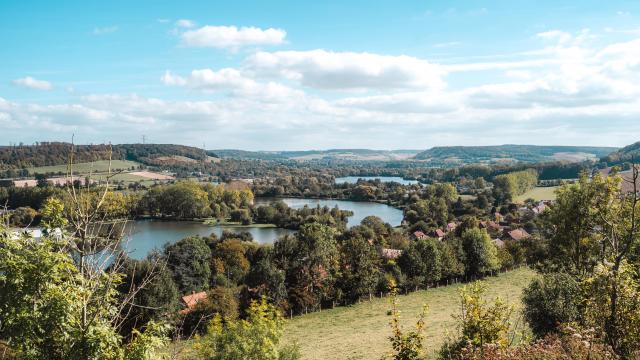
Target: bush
x=255 y=338
x=550 y=301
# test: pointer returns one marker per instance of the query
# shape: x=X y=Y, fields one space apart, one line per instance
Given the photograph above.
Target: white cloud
x=105 y=30
x=31 y=83
x=231 y=37
x=555 y=35
x=185 y=23
x=233 y=82
x=403 y=103
x=348 y=70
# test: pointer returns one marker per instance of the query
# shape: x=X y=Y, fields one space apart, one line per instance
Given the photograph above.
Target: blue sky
x=293 y=75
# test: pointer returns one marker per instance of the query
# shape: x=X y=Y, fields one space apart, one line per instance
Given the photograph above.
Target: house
x=419 y=235
x=540 y=208
x=451 y=226
x=190 y=301
x=518 y=234
x=498 y=243
x=490 y=225
x=391 y=254
x=439 y=233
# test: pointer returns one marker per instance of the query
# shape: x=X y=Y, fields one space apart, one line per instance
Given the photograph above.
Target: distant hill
x=302 y=155
x=626 y=153
x=511 y=153
x=57 y=153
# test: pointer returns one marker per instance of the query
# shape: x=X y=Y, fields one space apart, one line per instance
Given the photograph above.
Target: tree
x=156 y=295
x=220 y=301
x=359 y=267
x=43 y=304
x=229 y=260
x=481 y=253
x=621 y=329
x=551 y=301
x=188 y=260
x=255 y=338
x=573 y=245
x=310 y=260
x=266 y=278
x=420 y=261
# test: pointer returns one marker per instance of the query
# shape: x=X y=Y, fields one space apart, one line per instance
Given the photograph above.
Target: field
x=361 y=331
x=85 y=168
x=538 y=193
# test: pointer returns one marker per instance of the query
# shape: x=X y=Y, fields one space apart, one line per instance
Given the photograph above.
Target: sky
x=295 y=75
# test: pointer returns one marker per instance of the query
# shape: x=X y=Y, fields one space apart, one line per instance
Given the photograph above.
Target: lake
x=354 y=179
x=146 y=235
x=360 y=209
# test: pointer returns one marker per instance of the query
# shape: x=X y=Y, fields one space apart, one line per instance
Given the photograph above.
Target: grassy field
x=538 y=193
x=361 y=331
x=84 y=168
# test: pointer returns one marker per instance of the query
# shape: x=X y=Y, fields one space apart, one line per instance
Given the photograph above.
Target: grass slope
x=85 y=168
x=538 y=193
x=361 y=331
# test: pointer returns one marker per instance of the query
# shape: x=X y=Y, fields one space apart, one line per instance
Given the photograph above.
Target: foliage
x=156 y=294
x=551 y=301
x=407 y=345
x=188 y=260
x=597 y=312
x=420 y=261
x=220 y=301
x=255 y=338
x=44 y=310
x=479 y=322
x=568 y=345
x=360 y=267
x=510 y=185
x=481 y=253
x=568 y=224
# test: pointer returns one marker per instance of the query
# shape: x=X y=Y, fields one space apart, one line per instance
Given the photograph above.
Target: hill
x=511 y=153
x=57 y=153
x=304 y=155
x=626 y=153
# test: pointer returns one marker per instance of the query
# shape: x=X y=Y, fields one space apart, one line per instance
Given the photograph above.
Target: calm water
x=360 y=210
x=354 y=179
x=146 y=235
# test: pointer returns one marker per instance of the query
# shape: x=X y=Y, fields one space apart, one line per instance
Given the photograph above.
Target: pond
x=146 y=235
x=354 y=179
x=361 y=209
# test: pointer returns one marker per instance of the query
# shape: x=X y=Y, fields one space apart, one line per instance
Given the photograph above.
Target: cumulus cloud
x=232 y=37
x=348 y=70
x=31 y=83
x=233 y=82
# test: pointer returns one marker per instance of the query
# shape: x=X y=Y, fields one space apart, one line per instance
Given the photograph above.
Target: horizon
x=311 y=149
x=278 y=76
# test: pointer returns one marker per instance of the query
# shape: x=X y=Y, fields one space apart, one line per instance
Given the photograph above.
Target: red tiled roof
x=439 y=233
x=192 y=299
x=518 y=234
x=419 y=235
